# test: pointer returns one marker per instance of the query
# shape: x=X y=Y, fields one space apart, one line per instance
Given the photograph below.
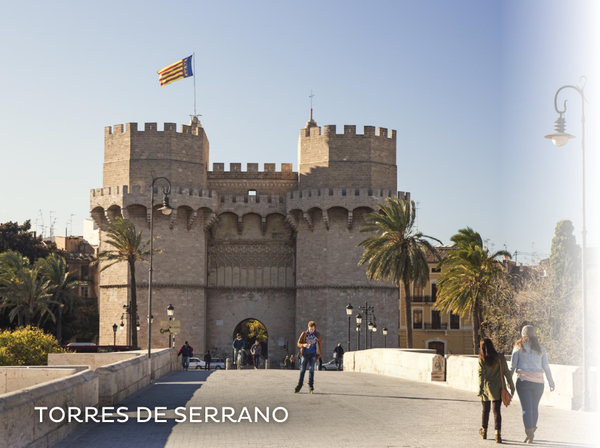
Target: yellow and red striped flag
x=175 y=72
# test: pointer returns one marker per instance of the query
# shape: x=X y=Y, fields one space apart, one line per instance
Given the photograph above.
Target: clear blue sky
x=468 y=85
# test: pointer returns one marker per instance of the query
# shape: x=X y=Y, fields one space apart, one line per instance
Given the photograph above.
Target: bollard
x=227 y=363
x=266 y=364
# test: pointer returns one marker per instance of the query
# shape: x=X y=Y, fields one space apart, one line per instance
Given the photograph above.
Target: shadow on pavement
x=400 y=398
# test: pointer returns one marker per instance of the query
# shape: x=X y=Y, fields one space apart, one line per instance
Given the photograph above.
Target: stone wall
x=462 y=373
x=15 y=378
x=20 y=424
x=92 y=360
x=416 y=365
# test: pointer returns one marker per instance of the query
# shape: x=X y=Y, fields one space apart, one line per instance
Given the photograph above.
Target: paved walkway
x=346 y=410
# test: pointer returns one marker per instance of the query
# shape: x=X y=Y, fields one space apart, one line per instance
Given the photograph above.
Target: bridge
x=347 y=409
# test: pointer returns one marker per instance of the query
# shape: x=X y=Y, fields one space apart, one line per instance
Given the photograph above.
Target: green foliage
x=24 y=291
x=398 y=251
x=19 y=238
x=470 y=276
x=128 y=247
x=63 y=286
x=255 y=330
x=27 y=346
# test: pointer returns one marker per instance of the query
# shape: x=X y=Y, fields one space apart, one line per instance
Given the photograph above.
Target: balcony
x=436 y=326
x=422 y=299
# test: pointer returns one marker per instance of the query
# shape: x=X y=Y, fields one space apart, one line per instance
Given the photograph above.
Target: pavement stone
x=348 y=409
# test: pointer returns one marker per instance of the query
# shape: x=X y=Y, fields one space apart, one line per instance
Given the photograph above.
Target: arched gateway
x=252 y=330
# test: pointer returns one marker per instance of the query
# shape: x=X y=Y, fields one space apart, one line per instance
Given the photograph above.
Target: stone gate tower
x=277 y=246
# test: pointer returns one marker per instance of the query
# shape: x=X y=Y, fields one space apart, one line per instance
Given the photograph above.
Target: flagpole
x=194 y=59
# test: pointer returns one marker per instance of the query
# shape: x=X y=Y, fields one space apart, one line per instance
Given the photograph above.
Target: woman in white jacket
x=530 y=361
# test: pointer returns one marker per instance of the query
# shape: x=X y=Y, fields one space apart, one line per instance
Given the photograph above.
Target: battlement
x=143 y=190
x=345 y=192
x=251 y=168
x=349 y=131
x=168 y=128
x=349 y=198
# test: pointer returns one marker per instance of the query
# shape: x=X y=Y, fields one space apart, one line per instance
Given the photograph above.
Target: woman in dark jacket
x=490 y=385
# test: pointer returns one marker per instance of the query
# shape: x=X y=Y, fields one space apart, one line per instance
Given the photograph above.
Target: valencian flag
x=175 y=72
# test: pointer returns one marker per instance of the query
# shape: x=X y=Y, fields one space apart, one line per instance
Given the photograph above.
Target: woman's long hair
x=533 y=343
x=488 y=353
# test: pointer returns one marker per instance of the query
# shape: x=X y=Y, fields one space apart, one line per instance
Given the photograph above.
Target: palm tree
x=398 y=252
x=469 y=276
x=23 y=290
x=128 y=247
x=63 y=285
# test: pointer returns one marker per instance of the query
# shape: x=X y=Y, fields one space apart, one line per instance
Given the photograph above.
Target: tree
x=63 y=286
x=28 y=346
x=128 y=248
x=469 y=276
x=23 y=290
x=398 y=251
x=18 y=238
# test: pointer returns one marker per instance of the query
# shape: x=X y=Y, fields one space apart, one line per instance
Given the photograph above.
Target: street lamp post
x=385 y=331
x=374 y=331
x=358 y=321
x=370 y=326
x=166 y=209
x=349 y=310
x=560 y=138
x=367 y=309
x=170 y=312
x=115 y=326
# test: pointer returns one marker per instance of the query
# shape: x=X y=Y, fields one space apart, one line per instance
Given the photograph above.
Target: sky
x=468 y=85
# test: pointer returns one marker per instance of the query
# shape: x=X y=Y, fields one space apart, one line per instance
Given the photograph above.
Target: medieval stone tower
x=277 y=246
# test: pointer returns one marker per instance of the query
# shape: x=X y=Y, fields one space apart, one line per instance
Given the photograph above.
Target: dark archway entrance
x=251 y=330
x=437 y=346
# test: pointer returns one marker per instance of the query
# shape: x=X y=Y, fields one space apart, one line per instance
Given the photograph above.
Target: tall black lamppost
x=366 y=309
x=374 y=331
x=560 y=138
x=349 y=310
x=115 y=326
x=166 y=209
x=170 y=312
x=385 y=331
x=358 y=321
x=370 y=325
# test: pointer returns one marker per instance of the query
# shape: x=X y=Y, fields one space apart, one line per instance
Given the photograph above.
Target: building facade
x=280 y=247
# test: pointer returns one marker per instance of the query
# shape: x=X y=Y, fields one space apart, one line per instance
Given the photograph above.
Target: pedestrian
x=292 y=362
x=338 y=355
x=185 y=352
x=207 y=360
x=492 y=369
x=286 y=362
x=256 y=350
x=238 y=350
x=310 y=344
x=530 y=361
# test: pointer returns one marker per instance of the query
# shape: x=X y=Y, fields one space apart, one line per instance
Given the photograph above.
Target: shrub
x=27 y=346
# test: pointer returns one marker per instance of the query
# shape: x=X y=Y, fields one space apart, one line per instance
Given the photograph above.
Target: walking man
x=238 y=347
x=338 y=355
x=185 y=351
x=310 y=351
x=256 y=351
x=207 y=360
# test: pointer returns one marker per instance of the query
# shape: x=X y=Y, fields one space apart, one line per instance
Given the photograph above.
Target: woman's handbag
x=505 y=394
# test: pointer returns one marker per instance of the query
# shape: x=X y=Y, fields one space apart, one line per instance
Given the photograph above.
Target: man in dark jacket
x=311 y=345
x=207 y=360
x=238 y=346
x=338 y=355
x=185 y=352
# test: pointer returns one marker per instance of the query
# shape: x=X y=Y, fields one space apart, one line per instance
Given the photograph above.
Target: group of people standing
x=239 y=345
x=530 y=361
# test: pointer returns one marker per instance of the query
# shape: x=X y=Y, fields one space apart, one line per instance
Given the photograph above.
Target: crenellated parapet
x=262 y=205
x=347 y=159
x=132 y=154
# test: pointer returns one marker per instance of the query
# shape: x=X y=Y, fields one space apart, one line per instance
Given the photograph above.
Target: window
x=433 y=292
x=251 y=192
x=417 y=319
x=436 y=320
x=454 y=321
x=85 y=272
x=435 y=270
x=418 y=294
x=84 y=292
